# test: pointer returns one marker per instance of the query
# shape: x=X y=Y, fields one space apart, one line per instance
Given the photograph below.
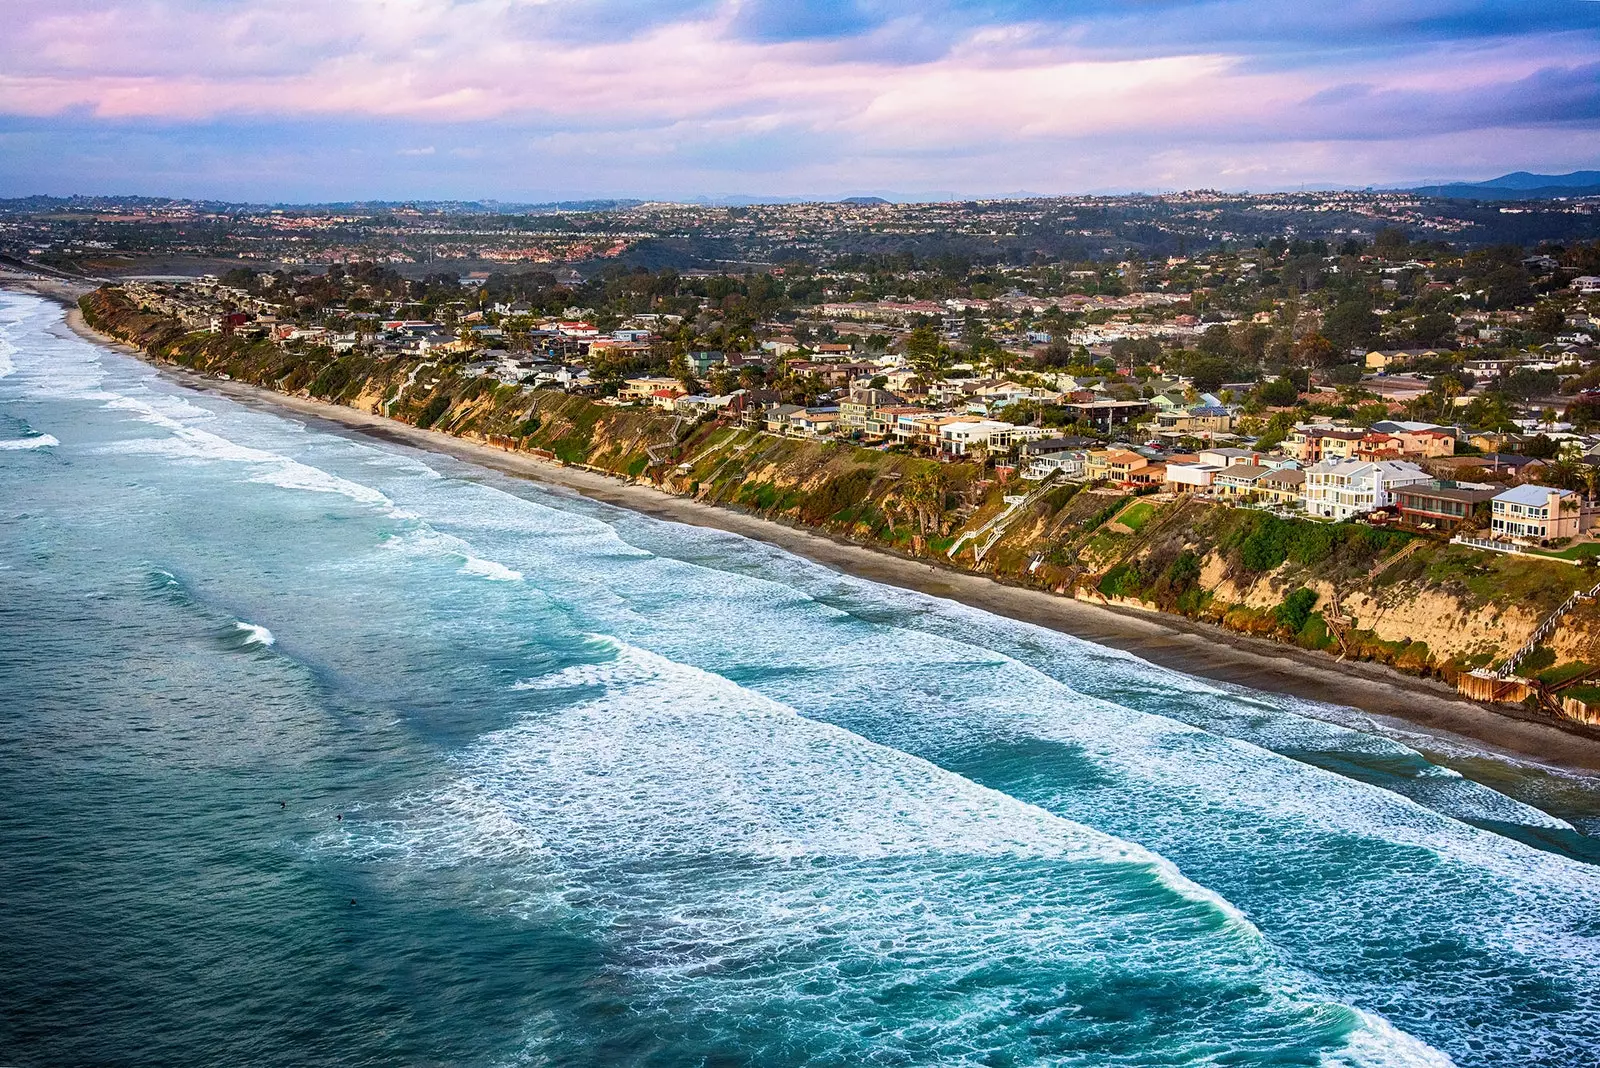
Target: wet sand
x=1389 y=697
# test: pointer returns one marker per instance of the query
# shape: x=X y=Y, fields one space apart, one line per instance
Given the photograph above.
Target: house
x=1536 y=514
x=958 y=438
x=1116 y=465
x=1282 y=485
x=775 y=418
x=813 y=422
x=1382 y=362
x=1190 y=477
x=1310 y=444
x=1201 y=419
x=856 y=411
x=1238 y=480
x=667 y=398
x=643 y=389
x=1501 y=466
x=1106 y=413
x=1587 y=283
x=1379 y=447
x=701 y=362
x=1066 y=462
x=1223 y=457
x=1442 y=504
x=1419 y=439
x=1340 y=488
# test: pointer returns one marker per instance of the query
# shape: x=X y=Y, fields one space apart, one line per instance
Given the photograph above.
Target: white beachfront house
x=1339 y=489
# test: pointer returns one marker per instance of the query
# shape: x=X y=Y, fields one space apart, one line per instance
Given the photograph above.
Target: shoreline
x=1392 y=699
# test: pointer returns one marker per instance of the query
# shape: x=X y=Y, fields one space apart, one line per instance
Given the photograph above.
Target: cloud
x=731 y=91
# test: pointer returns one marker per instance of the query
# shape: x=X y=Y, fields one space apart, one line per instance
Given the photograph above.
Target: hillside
x=1520 y=185
x=1347 y=590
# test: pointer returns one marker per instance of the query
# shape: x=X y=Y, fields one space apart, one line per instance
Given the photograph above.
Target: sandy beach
x=1389 y=697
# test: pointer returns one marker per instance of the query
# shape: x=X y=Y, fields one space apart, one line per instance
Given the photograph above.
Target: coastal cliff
x=1420 y=605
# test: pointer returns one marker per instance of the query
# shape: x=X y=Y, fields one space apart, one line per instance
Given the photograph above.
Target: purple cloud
x=666 y=99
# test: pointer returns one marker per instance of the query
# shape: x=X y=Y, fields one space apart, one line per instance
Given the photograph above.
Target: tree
x=1314 y=350
x=1547 y=319
x=1208 y=372
x=1280 y=393
x=1350 y=324
x=1432 y=328
x=927 y=354
x=1295 y=611
x=1390 y=242
x=1216 y=341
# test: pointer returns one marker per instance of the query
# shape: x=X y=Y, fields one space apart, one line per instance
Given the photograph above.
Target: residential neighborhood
x=1104 y=374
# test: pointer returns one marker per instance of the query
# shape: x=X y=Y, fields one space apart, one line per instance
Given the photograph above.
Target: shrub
x=1542 y=657
x=1121 y=581
x=1295 y=610
x=1185 y=570
x=431 y=412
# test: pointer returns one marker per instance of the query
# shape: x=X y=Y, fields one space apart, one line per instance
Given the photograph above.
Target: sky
x=534 y=100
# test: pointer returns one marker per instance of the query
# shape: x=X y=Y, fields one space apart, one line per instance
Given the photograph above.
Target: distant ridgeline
x=1421 y=605
x=1520 y=186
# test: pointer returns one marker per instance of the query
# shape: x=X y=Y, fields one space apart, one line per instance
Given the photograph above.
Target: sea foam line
x=38 y=441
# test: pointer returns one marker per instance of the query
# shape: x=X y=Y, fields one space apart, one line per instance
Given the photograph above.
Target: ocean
x=320 y=750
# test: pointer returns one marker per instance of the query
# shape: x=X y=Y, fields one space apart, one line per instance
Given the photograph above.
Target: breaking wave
x=38 y=441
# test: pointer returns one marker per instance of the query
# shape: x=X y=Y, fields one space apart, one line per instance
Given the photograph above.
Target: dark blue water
x=320 y=751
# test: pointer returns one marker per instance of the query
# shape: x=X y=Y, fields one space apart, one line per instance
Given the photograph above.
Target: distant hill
x=864 y=200
x=1520 y=185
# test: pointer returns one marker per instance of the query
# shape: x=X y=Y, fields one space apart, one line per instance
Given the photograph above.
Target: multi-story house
x=1536 y=514
x=1339 y=489
x=1440 y=505
x=1115 y=465
x=856 y=411
x=1312 y=444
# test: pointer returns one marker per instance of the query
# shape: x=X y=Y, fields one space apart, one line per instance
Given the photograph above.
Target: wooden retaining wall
x=1579 y=712
x=1512 y=691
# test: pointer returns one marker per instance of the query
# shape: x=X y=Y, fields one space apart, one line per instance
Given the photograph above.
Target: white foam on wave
x=255 y=634
x=490 y=570
x=1274 y=721
x=736 y=853
x=423 y=540
x=269 y=468
x=38 y=441
x=726 y=732
x=1377 y=1043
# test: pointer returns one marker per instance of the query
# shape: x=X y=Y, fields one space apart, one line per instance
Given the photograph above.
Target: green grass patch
x=1565 y=673
x=1136 y=515
x=1587 y=550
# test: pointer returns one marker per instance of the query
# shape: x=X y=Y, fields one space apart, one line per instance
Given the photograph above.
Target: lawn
x=1136 y=515
x=1582 y=551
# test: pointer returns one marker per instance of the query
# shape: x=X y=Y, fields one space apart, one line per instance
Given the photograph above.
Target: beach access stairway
x=1542 y=631
x=663 y=450
x=992 y=531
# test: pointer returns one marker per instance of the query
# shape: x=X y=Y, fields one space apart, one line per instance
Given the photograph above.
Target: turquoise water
x=318 y=750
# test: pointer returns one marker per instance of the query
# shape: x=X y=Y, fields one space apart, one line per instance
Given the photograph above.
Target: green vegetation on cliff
x=1351 y=590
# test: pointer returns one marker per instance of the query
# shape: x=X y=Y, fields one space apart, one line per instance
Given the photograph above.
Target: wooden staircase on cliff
x=1338 y=622
x=992 y=531
x=1542 y=631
